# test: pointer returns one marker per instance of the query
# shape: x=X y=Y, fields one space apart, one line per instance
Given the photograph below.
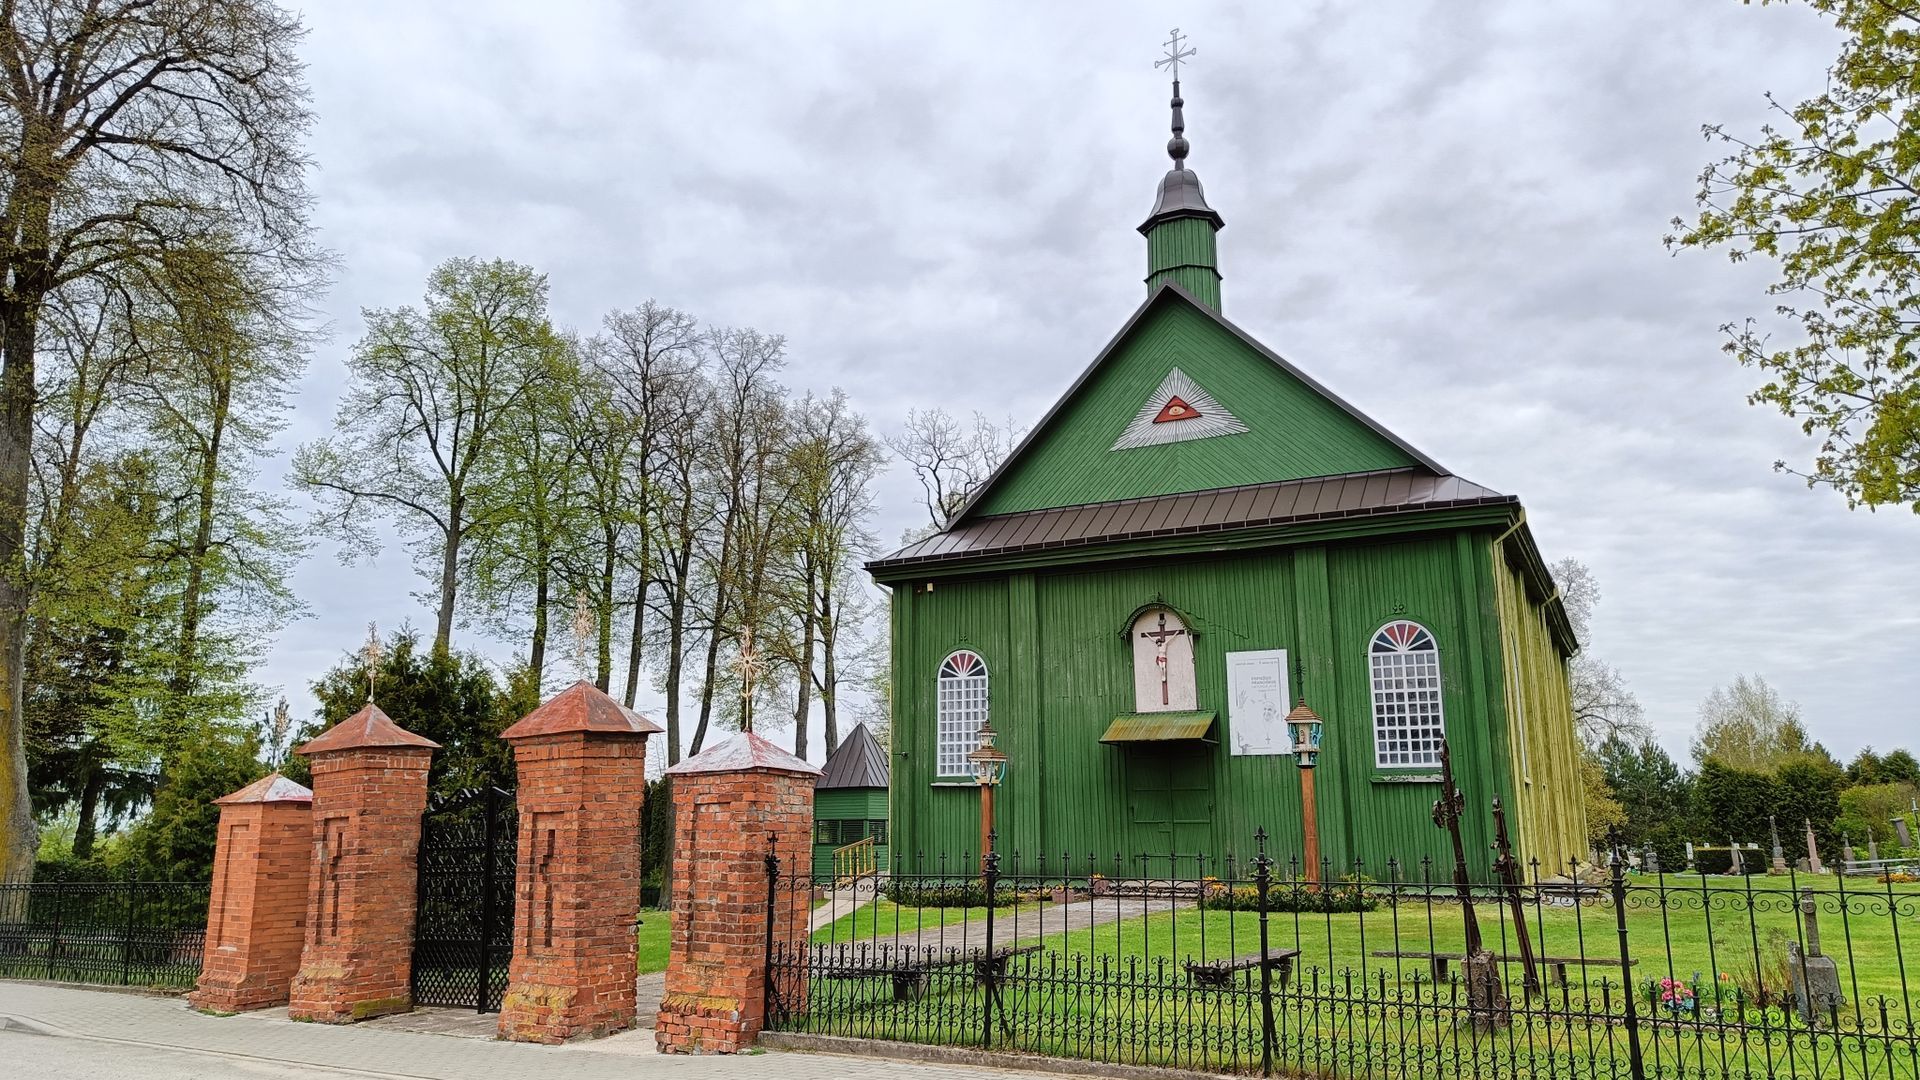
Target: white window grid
x=960 y=711
x=1407 y=719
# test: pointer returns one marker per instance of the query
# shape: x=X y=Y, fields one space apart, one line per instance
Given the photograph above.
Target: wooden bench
x=912 y=976
x=1218 y=974
x=1559 y=964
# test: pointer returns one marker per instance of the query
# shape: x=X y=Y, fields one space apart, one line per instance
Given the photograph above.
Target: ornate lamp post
x=1306 y=725
x=989 y=765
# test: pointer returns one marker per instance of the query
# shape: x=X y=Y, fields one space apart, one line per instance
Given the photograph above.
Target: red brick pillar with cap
x=258 y=915
x=731 y=803
x=582 y=765
x=369 y=790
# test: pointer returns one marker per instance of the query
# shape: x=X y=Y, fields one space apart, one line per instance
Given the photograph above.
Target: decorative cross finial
x=585 y=628
x=1175 y=54
x=748 y=665
x=372 y=653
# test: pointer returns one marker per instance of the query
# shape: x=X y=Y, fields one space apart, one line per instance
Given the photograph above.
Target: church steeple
x=1180 y=231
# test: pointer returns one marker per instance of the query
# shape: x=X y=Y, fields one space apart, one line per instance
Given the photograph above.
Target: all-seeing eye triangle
x=1179 y=410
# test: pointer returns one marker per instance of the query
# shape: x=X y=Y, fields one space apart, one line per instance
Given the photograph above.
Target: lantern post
x=1306 y=726
x=989 y=767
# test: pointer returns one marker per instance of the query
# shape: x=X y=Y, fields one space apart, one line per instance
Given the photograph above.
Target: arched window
x=960 y=711
x=1406 y=696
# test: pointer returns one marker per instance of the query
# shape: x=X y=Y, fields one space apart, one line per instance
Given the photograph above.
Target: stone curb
x=162 y=992
x=958 y=1055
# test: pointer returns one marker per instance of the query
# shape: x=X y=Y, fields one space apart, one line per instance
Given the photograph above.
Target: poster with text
x=1257 y=702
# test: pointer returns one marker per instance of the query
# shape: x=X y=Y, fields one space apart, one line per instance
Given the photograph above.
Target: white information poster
x=1257 y=702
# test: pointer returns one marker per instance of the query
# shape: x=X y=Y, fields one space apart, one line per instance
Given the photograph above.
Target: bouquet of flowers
x=1676 y=998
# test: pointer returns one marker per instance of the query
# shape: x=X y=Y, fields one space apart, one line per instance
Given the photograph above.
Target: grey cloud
x=1450 y=213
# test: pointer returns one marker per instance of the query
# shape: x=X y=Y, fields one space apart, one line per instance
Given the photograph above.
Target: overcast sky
x=1449 y=214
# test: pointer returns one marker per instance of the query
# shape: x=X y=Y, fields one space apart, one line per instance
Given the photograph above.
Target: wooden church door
x=1170 y=806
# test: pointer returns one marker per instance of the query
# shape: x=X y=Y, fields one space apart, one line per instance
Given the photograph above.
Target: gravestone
x=1900 y=830
x=1816 y=978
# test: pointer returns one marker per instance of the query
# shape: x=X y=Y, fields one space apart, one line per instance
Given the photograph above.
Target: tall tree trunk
x=449 y=575
x=829 y=659
x=711 y=671
x=28 y=279
x=639 y=625
x=676 y=667
x=537 y=648
x=803 y=705
x=603 y=660
x=89 y=824
x=180 y=685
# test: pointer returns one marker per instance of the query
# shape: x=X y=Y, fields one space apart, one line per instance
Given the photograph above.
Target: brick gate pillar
x=369 y=790
x=730 y=803
x=258 y=916
x=582 y=764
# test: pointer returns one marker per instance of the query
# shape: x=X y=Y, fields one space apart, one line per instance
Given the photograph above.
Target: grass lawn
x=1707 y=927
x=1120 y=991
x=653 y=937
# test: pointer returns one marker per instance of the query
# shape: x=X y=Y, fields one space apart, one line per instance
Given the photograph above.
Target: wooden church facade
x=1196 y=536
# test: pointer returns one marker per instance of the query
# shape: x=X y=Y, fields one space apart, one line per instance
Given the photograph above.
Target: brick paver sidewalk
x=142 y=1021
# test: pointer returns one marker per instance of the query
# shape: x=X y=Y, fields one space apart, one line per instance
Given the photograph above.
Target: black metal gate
x=463 y=933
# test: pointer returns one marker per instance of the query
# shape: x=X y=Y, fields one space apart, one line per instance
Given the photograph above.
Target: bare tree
x=951 y=459
x=831 y=467
x=681 y=508
x=650 y=355
x=133 y=129
x=746 y=424
x=1603 y=706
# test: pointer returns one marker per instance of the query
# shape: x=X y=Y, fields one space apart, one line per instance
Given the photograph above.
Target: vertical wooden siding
x=865 y=804
x=1295 y=433
x=1183 y=251
x=1546 y=777
x=1060 y=673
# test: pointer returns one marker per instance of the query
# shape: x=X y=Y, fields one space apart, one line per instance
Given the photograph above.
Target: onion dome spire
x=1180 y=230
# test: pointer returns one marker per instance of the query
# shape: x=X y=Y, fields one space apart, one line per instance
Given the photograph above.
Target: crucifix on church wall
x=1162 y=663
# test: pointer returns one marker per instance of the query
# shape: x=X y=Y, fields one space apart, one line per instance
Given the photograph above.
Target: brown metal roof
x=858 y=762
x=1286 y=502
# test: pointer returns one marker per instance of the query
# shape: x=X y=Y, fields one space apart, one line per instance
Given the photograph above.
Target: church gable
x=1182 y=401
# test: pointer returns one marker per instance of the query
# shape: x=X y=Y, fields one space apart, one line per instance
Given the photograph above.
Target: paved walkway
x=843 y=901
x=52 y=1033
x=1081 y=917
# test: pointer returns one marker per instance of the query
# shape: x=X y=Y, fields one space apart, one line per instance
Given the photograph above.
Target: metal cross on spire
x=371 y=652
x=1175 y=54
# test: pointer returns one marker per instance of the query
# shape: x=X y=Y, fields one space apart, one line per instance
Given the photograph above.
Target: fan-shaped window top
x=1407 y=721
x=960 y=710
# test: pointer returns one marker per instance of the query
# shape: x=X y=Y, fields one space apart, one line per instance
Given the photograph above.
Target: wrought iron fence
x=118 y=933
x=1250 y=966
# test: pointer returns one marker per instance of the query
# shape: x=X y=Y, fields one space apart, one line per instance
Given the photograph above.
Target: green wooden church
x=1196 y=536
